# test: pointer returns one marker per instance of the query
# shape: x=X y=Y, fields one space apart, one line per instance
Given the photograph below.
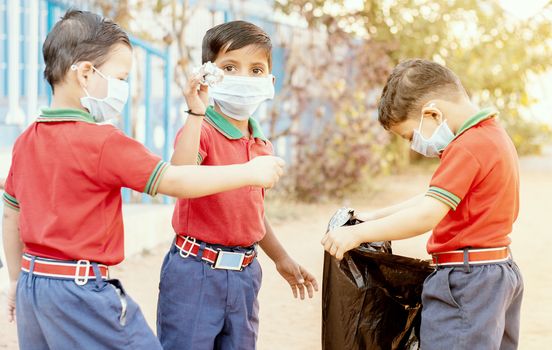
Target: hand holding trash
x=340 y=240
x=372 y=298
x=196 y=91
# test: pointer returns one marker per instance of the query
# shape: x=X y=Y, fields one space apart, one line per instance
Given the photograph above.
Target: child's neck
x=65 y=99
x=458 y=113
x=241 y=125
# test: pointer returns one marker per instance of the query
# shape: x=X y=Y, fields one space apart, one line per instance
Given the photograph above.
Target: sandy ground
x=287 y=323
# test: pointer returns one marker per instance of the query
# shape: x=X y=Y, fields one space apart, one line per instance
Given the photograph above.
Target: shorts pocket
x=451 y=286
x=165 y=265
x=430 y=276
x=116 y=285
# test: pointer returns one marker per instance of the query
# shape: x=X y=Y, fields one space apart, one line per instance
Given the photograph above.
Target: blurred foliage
x=529 y=137
x=338 y=55
x=348 y=149
x=492 y=53
x=170 y=19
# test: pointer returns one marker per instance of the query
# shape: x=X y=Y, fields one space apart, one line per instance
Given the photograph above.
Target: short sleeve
x=9 y=195
x=454 y=177
x=125 y=162
x=203 y=143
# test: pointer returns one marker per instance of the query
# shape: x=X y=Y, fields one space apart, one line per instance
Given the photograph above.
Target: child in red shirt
x=62 y=201
x=203 y=302
x=473 y=299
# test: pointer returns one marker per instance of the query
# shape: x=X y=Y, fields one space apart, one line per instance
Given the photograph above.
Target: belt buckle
x=82 y=280
x=192 y=240
x=229 y=260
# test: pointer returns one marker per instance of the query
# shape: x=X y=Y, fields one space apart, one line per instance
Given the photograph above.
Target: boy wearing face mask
x=473 y=299
x=62 y=225
x=210 y=278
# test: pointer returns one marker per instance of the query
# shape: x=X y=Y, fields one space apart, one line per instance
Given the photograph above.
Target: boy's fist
x=265 y=171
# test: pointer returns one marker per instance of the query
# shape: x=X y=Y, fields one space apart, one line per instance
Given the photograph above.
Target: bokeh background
x=330 y=59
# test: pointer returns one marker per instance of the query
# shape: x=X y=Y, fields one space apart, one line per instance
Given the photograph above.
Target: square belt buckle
x=229 y=260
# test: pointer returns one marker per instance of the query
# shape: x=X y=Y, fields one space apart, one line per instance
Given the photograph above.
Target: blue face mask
x=433 y=146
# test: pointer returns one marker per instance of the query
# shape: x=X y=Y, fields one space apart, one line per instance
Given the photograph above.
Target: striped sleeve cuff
x=155 y=178
x=199 y=159
x=10 y=201
x=444 y=196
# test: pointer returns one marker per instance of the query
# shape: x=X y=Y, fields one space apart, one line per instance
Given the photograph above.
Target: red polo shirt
x=478 y=178
x=231 y=218
x=66 y=178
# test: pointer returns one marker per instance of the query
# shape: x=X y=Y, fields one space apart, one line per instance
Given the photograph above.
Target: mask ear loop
x=421 y=121
x=100 y=73
x=432 y=104
x=74 y=68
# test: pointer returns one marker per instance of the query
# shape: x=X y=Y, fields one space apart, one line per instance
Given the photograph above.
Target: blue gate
x=35 y=19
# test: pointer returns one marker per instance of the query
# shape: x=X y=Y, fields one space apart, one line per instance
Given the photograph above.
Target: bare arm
x=295 y=275
x=13 y=248
x=187 y=146
x=191 y=181
x=409 y=222
x=383 y=212
x=271 y=245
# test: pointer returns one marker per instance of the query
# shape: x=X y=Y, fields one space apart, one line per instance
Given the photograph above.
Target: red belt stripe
x=475 y=256
x=190 y=246
x=62 y=268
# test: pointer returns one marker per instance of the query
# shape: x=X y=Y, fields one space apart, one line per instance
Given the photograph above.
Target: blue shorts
x=55 y=313
x=202 y=308
x=471 y=310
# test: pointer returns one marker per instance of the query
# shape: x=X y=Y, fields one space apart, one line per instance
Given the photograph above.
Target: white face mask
x=110 y=106
x=239 y=97
x=433 y=146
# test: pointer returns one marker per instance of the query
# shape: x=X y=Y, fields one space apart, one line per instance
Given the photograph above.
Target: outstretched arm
x=412 y=221
x=383 y=212
x=191 y=181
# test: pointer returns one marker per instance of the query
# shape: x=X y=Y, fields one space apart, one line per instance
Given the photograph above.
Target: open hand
x=298 y=278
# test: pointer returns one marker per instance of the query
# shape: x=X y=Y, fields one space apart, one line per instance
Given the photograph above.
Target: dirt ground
x=287 y=323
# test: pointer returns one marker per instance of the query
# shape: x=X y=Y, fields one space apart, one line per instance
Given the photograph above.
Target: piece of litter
x=210 y=74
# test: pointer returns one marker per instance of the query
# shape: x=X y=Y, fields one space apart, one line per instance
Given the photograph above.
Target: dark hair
x=79 y=36
x=411 y=82
x=233 y=36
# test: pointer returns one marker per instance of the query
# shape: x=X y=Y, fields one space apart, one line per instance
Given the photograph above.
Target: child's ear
x=83 y=71
x=431 y=111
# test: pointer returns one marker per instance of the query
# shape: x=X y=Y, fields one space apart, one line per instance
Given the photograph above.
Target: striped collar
x=230 y=131
x=482 y=115
x=64 y=115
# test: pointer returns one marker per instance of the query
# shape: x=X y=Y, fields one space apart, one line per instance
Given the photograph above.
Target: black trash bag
x=371 y=299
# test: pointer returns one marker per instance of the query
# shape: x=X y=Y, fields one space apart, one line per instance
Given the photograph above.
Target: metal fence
x=23 y=29
x=152 y=114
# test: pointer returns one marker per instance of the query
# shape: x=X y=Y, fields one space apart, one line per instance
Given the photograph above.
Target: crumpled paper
x=210 y=74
